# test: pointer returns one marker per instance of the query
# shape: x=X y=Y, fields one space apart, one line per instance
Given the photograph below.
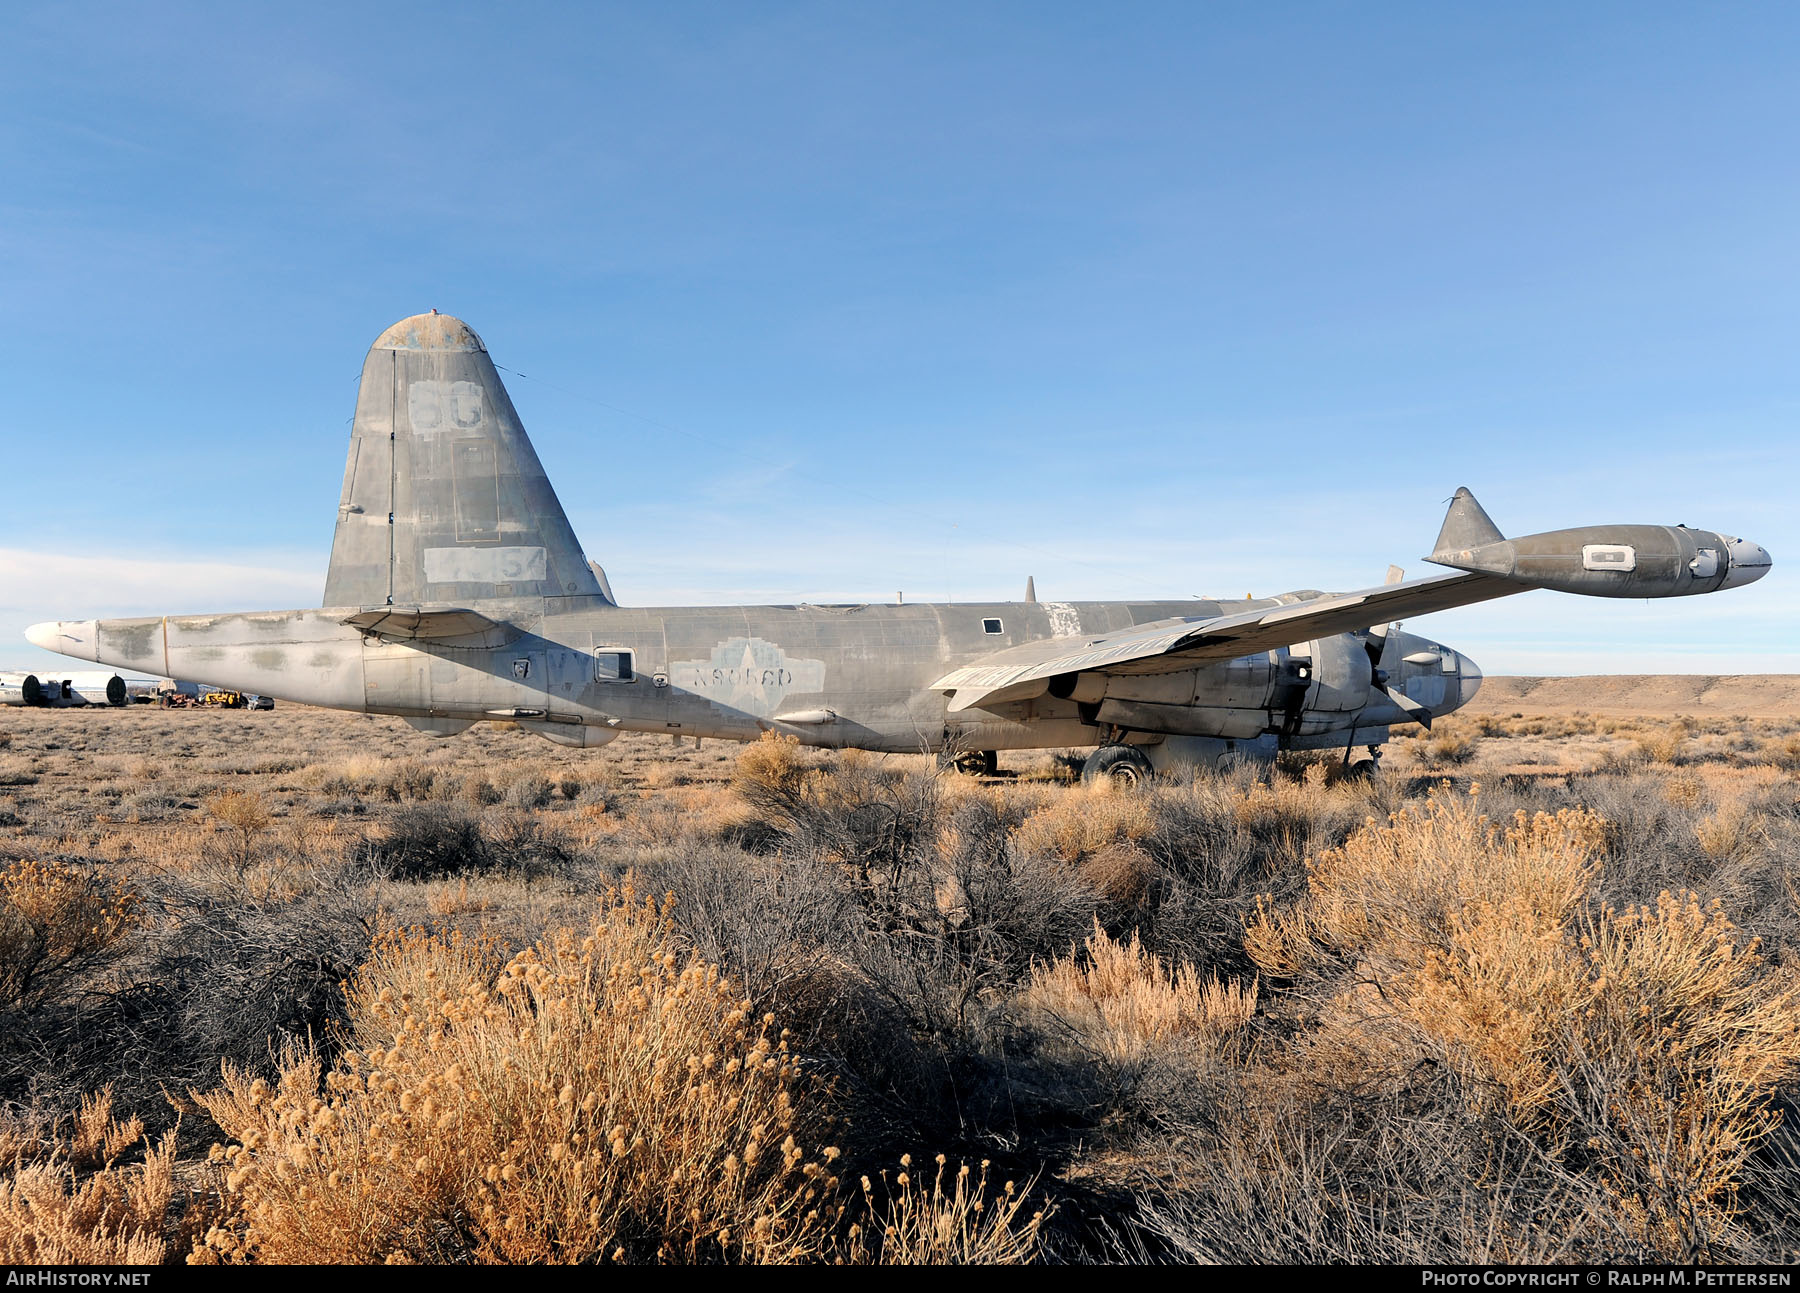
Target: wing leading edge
x=1593 y=561
x=1168 y=646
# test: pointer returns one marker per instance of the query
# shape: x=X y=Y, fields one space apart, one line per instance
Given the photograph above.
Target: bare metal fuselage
x=578 y=670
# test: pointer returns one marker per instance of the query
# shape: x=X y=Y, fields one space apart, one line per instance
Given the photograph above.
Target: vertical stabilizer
x=1466 y=525
x=444 y=498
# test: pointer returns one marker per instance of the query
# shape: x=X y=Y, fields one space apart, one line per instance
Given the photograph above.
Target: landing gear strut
x=1122 y=765
x=1368 y=769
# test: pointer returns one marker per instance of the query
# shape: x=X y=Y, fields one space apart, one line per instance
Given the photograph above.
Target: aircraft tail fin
x=1466 y=525
x=444 y=498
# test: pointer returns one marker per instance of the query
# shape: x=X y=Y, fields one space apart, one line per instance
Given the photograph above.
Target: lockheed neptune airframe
x=457 y=593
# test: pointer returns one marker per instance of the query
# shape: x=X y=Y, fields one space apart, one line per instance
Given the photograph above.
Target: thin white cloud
x=38 y=586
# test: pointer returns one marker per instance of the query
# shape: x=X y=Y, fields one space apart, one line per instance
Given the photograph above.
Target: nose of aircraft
x=1746 y=562
x=1468 y=679
x=65 y=637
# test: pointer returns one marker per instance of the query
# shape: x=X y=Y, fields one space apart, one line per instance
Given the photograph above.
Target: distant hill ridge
x=1754 y=695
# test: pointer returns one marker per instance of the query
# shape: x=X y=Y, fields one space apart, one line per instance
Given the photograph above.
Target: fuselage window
x=992 y=626
x=612 y=665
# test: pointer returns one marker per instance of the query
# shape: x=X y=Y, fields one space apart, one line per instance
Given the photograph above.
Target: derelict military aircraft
x=457 y=593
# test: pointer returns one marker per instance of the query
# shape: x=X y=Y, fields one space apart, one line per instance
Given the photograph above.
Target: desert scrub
x=428 y=841
x=594 y=1098
x=854 y=809
x=954 y=1222
x=1447 y=745
x=1666 y=746
x=56 y=923
x=66 y=1199
x=532 y=790
x=1080 y=823
x=1120 y=1004
x=247 y=813
x=1637 y=1049
x=1392 y=889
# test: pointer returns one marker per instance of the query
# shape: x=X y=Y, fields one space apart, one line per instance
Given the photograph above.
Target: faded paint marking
x=443 y=408
x=1065 y=620
x=485 y=565
x=749 y=674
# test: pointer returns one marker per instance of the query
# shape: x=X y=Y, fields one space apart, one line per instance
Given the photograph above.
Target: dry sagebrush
x=1640 y=1049
x=56 y=922
x=65 y=1197
x=596 y=1098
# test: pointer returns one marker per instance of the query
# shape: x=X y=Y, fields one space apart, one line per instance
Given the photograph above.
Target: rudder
x=444 y=499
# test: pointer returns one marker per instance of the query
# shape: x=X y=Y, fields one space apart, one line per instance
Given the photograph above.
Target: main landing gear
x=974 y=763
x=1122 y=765
x=1365 y=769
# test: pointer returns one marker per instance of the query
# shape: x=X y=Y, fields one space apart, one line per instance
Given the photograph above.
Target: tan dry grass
x=1645 y=1045
x=1120 y=1003
x=67 y=1199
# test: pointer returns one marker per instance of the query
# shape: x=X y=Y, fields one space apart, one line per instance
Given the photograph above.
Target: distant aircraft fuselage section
x=457 y=593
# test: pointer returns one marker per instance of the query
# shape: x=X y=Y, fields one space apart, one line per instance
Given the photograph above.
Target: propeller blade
x=1410 y=707
x=1375 y=642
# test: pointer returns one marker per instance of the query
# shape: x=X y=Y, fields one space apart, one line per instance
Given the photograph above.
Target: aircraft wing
x=1168 y=646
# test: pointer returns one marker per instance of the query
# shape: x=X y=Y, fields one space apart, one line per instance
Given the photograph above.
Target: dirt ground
x=1124 y=998
x=1651 y=695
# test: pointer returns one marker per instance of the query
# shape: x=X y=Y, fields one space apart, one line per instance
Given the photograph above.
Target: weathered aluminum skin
x=444 y=498
x=735 y=672
x=1600 y=560
x=458 y=594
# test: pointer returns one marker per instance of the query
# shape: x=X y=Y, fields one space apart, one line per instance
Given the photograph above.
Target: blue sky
x=824 y=301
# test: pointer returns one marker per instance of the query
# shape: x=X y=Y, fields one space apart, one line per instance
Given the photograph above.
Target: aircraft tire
x=976 y=763
x=1123 y=765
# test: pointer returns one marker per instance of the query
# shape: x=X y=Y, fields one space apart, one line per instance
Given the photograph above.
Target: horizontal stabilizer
x=461 y=627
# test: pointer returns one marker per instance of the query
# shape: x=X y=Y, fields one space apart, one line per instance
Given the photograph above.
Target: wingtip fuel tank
x=1599 y=560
